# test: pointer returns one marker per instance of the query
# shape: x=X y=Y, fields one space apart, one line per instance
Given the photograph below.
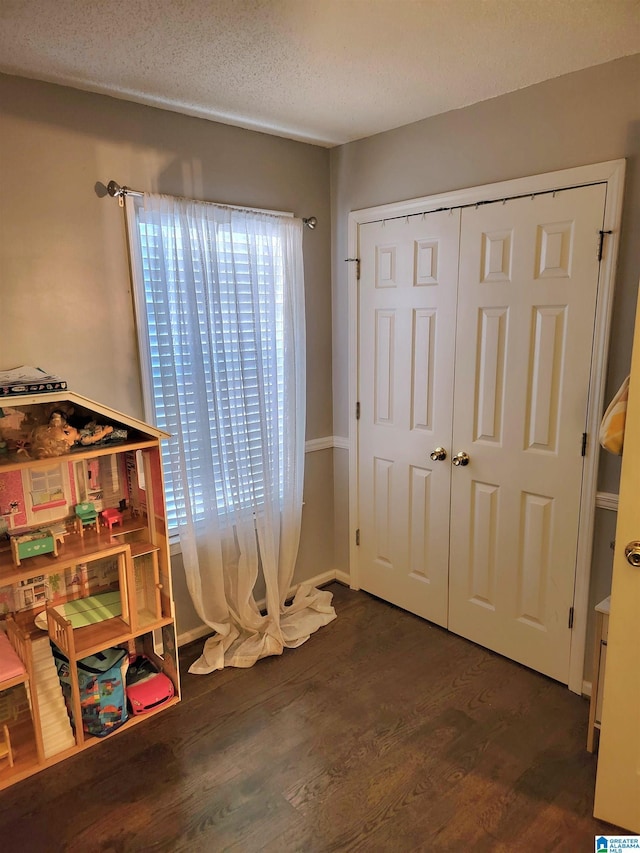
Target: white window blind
x=209 y=298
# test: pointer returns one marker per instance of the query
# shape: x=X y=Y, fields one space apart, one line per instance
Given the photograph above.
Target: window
x=48 y=490
x=210 y=297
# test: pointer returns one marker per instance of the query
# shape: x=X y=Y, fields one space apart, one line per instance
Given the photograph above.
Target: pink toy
x=146 y=686
x=111 y=517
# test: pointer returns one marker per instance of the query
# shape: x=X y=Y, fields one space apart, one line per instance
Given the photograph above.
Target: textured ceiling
x=324 y=71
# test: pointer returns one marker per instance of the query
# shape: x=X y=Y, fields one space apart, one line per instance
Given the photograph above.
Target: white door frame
x=611 y=173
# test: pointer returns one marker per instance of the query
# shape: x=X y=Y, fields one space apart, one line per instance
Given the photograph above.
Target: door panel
x=408 y=288
x=618 y=781
x=527 y=293
x=502 y=298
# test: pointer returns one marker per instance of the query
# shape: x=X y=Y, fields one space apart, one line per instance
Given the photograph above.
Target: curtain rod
x=476 y=204
x=116 y=191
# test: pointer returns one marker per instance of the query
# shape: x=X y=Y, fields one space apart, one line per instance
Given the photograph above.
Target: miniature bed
x=32 y=543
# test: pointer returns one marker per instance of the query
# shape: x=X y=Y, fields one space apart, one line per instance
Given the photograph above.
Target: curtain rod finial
x=115 y=190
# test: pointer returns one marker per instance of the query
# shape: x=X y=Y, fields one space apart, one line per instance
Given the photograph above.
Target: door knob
x=438 y=454
x=461 y=458
x=632 y=553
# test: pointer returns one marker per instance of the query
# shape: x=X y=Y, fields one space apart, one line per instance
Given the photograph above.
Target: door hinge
x=571 y=617
x=358 y=536
x=601 y=242
x=355 y=261
x=358 y=411
x=583 y=452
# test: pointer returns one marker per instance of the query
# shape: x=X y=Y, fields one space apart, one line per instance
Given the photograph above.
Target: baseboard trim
x=193 y=635
x=586 y=688
x=322 y=579
x=319 y=580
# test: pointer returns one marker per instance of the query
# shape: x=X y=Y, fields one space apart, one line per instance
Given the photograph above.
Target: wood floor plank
x=381 y=733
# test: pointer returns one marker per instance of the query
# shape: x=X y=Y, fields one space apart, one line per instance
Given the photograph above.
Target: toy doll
x=92 y=433
x=58 y=436
x=58 y=418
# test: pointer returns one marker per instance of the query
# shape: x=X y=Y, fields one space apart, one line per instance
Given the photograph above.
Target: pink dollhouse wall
x=12 y=489
x=156 y=478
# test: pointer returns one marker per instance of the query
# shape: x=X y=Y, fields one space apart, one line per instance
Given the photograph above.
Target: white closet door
x=527 y=293
x=407 y=309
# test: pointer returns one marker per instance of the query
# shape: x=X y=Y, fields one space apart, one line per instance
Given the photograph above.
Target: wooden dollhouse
x=84 y=567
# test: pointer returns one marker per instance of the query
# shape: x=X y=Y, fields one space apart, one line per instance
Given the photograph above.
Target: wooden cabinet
x=72 y=587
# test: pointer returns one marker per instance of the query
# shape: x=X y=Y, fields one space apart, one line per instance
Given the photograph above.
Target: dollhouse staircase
x=57 y=734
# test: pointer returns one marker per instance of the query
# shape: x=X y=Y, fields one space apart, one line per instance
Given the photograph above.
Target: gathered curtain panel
x=219 y=296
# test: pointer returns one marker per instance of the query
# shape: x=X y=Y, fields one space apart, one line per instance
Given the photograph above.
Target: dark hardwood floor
x=381 y=733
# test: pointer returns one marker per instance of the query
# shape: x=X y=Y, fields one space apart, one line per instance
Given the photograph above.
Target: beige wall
x=587 y=117
x=65 y=302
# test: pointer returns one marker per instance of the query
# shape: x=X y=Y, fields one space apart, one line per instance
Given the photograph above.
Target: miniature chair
x=5 y=746
x=86 y=516
x=109 y=517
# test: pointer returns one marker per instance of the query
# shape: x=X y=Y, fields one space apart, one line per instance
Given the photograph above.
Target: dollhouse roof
x=21 y=416
x=87 y=406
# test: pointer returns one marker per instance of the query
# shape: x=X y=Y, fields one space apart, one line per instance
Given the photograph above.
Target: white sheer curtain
x=220 y=309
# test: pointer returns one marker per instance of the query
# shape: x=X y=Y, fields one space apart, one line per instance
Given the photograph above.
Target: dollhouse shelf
x=96 y=546
x=15 y=462
x=131 y=559
x=27 y=763
x=81 y=642
x=76 y=549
